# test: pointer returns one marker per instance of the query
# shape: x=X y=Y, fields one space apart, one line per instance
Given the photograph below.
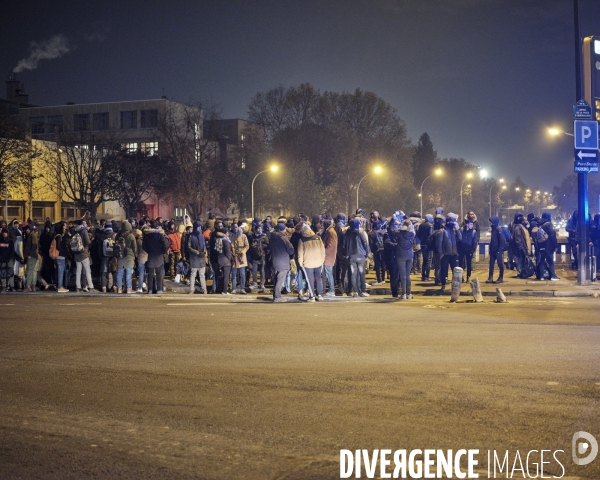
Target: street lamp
x=437 y=172
x=469 y=175
x=375 y=170
x=272 y=168
x=493 y=185
x=33 y=155
x=557 y=131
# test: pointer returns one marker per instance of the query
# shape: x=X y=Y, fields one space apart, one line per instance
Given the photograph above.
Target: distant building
x=16 y=98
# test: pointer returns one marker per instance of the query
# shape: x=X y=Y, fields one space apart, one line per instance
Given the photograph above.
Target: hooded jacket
x=195 y=249
x=281 y=251
x=85 y=240
x=476 y=226
x=126 y=233
x=153 y=242
x=448 y=239
x=404 y=244
x=468 y=242
x=224 y=258
x=521 y=239
x=239 y=248
x=356 y=244
x=330 y=241
x=546 y=224
x=311 y=251
x=497 y=238
x=7 y=249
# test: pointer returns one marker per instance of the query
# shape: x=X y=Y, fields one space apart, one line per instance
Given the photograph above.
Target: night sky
x=484 y=78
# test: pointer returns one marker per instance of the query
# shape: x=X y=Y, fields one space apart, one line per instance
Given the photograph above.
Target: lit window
x=130 y=147
x=149 y=148
x=129 y=120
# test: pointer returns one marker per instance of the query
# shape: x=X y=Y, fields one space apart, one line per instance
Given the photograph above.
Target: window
x=130 y=147
x=129 y=119
x=149 y=148
x=100 y=121
x=55 y=120
x=148 y=118
x=37 y=125
x=81 y=122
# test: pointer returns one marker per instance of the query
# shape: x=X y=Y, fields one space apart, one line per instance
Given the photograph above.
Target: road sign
x=586 y=134
x=585 y=166
x=586 y=155
x=582 y=110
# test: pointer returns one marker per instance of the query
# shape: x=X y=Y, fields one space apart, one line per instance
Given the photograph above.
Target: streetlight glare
x=554 y=131
x=501 y=180
x=483 y=173
x=469 y=175
x=274 y=168
x=377 y=169
x=439 y=171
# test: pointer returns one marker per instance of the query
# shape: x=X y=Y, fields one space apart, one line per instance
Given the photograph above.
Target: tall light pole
x=33 y=155
x=272 y=168
x=375 y=170
x=437 y=172
x=469 y=175
x=493 y=185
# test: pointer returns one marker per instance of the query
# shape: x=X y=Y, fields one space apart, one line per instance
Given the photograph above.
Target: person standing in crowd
x=439 y=222
x=7 y=261
x=142 y=255
x=223 y=247
x=195 y=252
x=447 y=247
x=63 y=261
x=311 y=255
x=357 y=251
x=125 y=241
x=376 y=244
x=80 y=247
x=467 y=247
x=342 y=266
x=521 y=243
x=496 y=250
x=106 y=239
x=330 y=242
x=423 y=233
x=545 y=247
x=405 y=238
x=239 y=248
x=259 y=245
x=213 y=254
x=156 y=244
x=174 y=248
x=390 y=245
x=30 y=254
x=281 y=251
x=573 y=239
x=47 y=267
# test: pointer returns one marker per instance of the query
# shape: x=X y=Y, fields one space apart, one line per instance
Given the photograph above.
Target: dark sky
x=484 y=78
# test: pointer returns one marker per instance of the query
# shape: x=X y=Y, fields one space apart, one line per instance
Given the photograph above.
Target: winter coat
x=468 y=242
x=521 y=239
x=356 y=244
x=154 y=242
x=404 y=245
x=330 y=241
x=281 y=251
x=552 y=243
x=476 y=226
x=259 y=245
x=126 y=232
x=239 y=248
x=7 y=250
x=30 y=246
x=424 y=231
x=224 y=258
x=46 y=238
x=447 y=240
x=85 y=240
x=174 y=241
x=311 y=251
x=195 y=250
x=142 y=255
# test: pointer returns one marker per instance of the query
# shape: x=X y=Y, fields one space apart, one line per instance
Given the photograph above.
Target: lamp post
x=493 y=185
x=557 y=131
x=33 y=155
x=437 y=172
x=375 y=170
x=469 y=175
x=273 y=168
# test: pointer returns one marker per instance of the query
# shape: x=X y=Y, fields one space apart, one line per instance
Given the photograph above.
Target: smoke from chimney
x=50 y=49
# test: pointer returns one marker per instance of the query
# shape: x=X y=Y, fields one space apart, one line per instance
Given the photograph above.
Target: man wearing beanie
x=357 y=251
x=424 y=231
x=311 y=255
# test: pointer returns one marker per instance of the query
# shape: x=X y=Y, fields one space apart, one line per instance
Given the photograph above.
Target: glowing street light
x=376 y=170
x=272 y=168
x=438 y=172
x=557 y=131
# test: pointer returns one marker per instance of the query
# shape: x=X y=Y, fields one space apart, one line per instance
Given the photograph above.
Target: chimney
x=12 y=87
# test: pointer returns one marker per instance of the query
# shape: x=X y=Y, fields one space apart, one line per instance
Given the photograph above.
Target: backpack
x=431 y=242
x=119 y=249
x=108 y=247
x=539 y=235
x=76 y=244
x=54 y=253
x=219 y=245
x=528 y=268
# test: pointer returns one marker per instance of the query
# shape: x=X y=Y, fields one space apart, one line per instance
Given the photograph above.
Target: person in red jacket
x=174 y=248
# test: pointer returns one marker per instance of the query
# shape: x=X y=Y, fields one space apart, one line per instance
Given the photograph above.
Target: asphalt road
x=211 y=388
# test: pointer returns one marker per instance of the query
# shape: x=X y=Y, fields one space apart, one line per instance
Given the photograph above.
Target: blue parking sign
x=586 y=134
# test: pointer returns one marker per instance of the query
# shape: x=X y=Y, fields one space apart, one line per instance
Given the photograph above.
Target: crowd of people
x=323 y=257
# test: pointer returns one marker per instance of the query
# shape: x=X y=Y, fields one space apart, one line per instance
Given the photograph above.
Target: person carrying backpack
x=156 y=244
x=259 y=245
x=496 y=250
x=467 y=247
x=545 y=248
x=80 y=248
x=125 y=251
x=107 y=241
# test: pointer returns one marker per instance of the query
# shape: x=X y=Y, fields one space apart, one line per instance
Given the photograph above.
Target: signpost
x=582 y=110
x=585 y=134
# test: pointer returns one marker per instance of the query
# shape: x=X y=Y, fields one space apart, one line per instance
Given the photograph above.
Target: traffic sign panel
x=586 y=155
x=582 y=110
x=585 y=166
x=586 y=134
